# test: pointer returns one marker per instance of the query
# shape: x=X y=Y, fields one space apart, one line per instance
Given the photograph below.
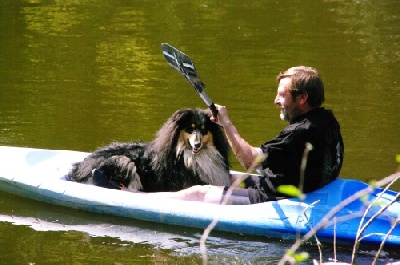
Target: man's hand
x=222 y=118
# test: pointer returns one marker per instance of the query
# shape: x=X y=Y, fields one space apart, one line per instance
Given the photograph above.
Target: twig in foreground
x=236 y=183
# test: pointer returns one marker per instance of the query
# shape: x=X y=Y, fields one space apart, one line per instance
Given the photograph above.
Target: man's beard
x=282 y=116
x=289 y=114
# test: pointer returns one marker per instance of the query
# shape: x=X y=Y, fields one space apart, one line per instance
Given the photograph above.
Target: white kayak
x=40 y=174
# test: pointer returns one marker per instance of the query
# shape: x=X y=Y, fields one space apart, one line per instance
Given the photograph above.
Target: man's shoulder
x=303 y=124
x=319 y=118
x=314 y=123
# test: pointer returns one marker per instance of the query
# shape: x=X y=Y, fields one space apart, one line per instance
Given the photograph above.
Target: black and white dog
x=188 y=150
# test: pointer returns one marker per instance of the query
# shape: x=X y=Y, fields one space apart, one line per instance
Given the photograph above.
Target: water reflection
x=73 y=236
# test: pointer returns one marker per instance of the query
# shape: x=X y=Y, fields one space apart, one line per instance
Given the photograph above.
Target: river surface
x=79 y=74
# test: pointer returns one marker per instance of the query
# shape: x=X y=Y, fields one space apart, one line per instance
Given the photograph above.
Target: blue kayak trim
x=39 y=174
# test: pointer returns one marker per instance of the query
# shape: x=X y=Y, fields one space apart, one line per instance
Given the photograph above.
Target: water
x=79 y=74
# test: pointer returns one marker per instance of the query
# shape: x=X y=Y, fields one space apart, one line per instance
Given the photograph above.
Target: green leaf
x=289 y=252
x=260 y=158
x=381 y=203
x=242 y=185
x=372 y=183
x=364 y=199
x=291 y=191
x=303 y=256
x=298 y=257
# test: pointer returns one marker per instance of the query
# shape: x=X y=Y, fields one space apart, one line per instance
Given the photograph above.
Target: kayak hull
x=40 y=174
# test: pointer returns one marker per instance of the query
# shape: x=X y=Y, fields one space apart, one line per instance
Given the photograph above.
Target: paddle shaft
x=209 y=103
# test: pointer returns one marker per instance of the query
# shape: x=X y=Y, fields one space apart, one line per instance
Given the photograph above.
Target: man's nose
x=277 y=101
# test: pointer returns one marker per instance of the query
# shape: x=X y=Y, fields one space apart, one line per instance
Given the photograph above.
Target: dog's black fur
x=168 y=163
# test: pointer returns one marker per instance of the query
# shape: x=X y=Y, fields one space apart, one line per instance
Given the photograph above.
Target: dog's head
x=196 y=135
x=195 y=131
x=190 y=129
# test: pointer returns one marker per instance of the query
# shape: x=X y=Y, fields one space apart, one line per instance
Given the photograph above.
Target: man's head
x=300 y=90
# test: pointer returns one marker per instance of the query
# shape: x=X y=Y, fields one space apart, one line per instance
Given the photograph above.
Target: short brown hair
x=305 y=80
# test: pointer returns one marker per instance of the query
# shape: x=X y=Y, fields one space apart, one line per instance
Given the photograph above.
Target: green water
x=79 y=74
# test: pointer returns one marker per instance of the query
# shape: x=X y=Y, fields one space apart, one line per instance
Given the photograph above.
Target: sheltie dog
x=188 y=150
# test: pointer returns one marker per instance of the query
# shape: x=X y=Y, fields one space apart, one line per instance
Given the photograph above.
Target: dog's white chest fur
x=209 y=165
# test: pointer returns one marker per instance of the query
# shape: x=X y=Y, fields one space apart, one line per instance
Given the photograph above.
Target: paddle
x=184 y=65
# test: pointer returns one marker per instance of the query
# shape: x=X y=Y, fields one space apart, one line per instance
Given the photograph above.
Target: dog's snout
x=198 y=136
x=195 y=141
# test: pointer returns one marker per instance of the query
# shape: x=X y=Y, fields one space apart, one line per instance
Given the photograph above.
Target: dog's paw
x=134 y=190
x=102 y=180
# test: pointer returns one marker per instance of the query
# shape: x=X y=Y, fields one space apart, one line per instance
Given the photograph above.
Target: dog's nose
x=197 y=145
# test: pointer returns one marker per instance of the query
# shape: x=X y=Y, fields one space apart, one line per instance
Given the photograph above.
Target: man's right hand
x=222 y=118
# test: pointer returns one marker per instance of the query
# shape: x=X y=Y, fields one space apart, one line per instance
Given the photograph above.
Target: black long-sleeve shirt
x=318 y=127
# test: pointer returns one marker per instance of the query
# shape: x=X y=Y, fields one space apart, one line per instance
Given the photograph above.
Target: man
x=300 y=96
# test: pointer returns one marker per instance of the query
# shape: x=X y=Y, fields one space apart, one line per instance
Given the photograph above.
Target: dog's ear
x=219 y=138
x=181 y=117
x=171 y=125
x=180 y=114
x=221 y=142
x=169 y=132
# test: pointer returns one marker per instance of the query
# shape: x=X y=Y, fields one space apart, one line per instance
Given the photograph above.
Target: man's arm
x=244 y=152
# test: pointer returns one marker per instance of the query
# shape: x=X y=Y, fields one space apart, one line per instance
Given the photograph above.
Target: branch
x=235 y=184
x=336 y=209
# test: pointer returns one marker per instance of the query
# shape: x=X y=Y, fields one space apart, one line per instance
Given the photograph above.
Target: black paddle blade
x=183 y=64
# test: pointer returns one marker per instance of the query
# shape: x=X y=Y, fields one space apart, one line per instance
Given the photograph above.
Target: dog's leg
x=135 y=183
x=122 y=170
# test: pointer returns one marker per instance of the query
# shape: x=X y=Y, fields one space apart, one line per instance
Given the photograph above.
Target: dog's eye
x=203 y=131
x=190 y=129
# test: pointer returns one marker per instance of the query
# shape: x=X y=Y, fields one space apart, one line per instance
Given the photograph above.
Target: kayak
x=40 y=174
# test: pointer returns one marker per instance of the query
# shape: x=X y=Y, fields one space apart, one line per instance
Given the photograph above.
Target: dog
x=188 y=150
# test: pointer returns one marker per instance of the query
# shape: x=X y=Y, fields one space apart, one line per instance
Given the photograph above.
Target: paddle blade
x=183 y=64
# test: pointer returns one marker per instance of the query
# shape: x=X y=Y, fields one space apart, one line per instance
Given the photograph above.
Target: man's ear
x=302 y=98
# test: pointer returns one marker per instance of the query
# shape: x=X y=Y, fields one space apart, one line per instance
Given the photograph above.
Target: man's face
x=289 y=108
